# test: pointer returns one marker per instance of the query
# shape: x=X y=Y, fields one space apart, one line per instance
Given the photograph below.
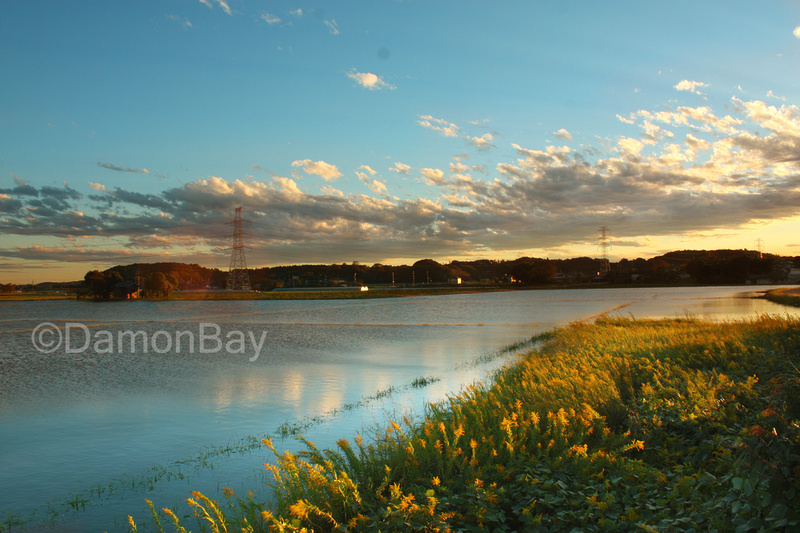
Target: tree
x=100 y=285
x=157 y=284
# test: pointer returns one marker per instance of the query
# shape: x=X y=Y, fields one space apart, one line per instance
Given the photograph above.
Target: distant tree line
x=687 y=266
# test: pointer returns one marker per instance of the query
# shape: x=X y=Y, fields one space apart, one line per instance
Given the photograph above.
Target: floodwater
x=138 y=400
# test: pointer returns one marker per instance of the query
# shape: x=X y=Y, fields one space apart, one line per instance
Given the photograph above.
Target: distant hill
x=190 y=276
x=703 y=266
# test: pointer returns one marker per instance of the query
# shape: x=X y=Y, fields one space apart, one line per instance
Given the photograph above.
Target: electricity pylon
x=238 y=279
x=604 y=243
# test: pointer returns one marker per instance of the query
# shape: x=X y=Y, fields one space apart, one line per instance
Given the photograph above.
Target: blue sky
x=393 y=131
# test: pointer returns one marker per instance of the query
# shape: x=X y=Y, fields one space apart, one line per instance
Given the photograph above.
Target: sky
x=392 y=131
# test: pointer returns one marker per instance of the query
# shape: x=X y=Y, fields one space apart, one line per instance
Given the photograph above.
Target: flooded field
x=105 y=404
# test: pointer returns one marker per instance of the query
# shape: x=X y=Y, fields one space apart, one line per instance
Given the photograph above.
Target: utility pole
x=238 y=278
x=760 y=247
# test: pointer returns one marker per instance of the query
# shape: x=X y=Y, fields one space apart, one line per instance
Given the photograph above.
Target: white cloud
x=630 y=146
x=695 y=143
x=332 y=191
x=97 y=186
x=796 y=32
x=400 y=168
x=563 y=134
x=288 y=186
x=322 y=169
x=433 y=176
x=369 y=80
x=692 y=86
x=221 y=3
x=448 y=129
x=484 y=141
x=376 y=186
x=332 y=26
x=269 y=18
x=770 y=94
x=458 y=167
x=297 y=12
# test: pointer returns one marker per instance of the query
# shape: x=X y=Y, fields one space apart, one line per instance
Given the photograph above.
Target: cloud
x=221 y=3
x=332 y=26
x=400 y=168
x=697 y=144
x=269 y=18
x=796 y=32
x=433 y=176
x=770 y=94
x=691 y=170
x=369 y=80
x=482 y=142
x=123 y=168
x=376 y=186
x=322 y=169
x=183 y=21
x=692 y=86
x=97 y=186
x=564 y=135
x=447 y=129
x=296 y=12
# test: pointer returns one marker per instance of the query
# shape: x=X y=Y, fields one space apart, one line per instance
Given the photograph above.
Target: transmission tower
x=238 y=279
x=760 y=248
x=604 y=243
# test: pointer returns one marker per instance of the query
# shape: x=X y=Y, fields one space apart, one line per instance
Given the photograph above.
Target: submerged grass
x=666 y=425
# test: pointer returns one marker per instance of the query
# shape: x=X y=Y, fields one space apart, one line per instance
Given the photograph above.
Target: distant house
x=126 y=290
x=454 y=281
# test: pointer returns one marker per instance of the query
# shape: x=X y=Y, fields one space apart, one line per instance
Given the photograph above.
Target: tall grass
x=622 y=424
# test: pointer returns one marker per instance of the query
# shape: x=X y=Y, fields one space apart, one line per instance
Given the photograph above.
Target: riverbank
x=788 y=296
x=305 y=294
x=620 y=424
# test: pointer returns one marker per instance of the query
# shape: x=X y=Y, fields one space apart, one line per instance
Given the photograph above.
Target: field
x=668 y=425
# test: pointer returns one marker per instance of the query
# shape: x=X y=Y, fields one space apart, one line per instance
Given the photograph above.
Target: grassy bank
x=619 y=425
x=790 y=296
x=36 y=296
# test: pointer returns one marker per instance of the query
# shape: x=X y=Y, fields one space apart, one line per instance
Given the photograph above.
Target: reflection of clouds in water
x=293 y=385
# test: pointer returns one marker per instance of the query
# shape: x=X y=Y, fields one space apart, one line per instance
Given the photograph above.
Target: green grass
x=667 y=425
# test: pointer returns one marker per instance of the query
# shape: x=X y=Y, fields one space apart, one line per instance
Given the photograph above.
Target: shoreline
x=787 y=296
